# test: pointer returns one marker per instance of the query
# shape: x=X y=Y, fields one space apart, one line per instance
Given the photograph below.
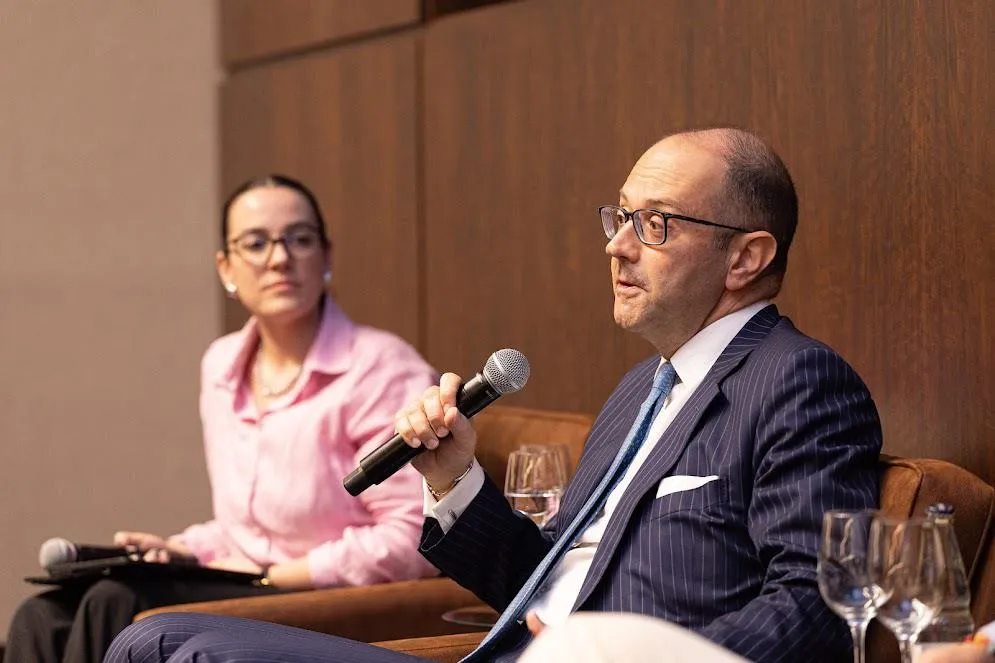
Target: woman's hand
x=154 y=548
x=292 y=574
x=968 y=652
x=239 y=564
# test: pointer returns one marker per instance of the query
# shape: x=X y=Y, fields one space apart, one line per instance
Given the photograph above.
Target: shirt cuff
x=454 y=503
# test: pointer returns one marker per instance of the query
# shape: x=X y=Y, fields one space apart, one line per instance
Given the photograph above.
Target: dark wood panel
x=535 y=111
x=256 y=29
x=343 y=122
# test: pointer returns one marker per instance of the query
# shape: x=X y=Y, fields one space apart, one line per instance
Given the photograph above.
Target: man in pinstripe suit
x=714 y=524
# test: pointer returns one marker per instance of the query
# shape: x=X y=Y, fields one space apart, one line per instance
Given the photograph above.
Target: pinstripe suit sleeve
x=816 y=448
x=490 y=549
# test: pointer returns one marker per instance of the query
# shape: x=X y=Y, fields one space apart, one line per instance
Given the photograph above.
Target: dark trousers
x=199 y=638
x=76 y=623
x=187 y=637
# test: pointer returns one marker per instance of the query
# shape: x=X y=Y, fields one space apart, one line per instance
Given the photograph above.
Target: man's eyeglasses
x=256 y=247
x=650 y=224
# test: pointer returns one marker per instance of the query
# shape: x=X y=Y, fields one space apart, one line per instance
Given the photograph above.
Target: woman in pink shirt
x=289 y=404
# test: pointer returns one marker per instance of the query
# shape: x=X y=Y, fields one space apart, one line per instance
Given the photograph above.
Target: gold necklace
x=265 y=390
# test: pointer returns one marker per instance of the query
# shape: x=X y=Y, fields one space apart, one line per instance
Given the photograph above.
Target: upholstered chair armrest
x=389 y=611
x=442 y=648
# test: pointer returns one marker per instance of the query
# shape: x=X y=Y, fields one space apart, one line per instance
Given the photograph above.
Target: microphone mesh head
x=56 y=551
x=507 y=370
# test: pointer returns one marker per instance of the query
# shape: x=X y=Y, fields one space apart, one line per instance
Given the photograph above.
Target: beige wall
x=108 y=192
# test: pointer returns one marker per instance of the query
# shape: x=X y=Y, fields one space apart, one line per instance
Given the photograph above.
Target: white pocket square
x=678 y=483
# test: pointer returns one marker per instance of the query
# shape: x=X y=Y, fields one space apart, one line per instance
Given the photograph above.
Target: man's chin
x=626 y=318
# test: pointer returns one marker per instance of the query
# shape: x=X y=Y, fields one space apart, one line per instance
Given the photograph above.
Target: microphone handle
x=388 y=458
x=87 y=552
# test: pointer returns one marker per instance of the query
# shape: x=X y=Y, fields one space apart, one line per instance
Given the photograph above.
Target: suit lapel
x=606 y=437
x=671 y=445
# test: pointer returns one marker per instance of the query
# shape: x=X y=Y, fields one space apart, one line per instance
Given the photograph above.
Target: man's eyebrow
x=667 y=204
x=662 y=204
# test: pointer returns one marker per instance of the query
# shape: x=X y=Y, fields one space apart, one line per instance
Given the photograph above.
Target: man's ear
x=749 y=256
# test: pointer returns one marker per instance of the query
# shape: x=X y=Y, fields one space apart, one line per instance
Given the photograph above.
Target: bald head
x=755 y=191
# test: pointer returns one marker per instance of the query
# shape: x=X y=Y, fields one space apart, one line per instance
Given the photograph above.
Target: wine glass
x=907 y=566
x=535 y=480
x=843 y=572
x=562 y=451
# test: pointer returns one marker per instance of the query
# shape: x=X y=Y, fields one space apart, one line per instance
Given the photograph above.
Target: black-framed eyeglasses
x=256 y=247
x=650 y=224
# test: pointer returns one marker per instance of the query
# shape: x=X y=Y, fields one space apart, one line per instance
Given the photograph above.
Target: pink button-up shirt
x=276 y=476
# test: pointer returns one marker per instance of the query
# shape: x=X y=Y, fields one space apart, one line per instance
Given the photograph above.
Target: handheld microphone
x=61 y=551
x=506 y=372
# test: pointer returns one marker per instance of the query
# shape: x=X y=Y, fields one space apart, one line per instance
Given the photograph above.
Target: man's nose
x=625 y=243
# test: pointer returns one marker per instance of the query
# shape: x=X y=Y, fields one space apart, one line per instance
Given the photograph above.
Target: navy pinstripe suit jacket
x=790 y=430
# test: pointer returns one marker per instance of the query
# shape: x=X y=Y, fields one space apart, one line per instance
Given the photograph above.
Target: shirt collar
x=329 y=353
x=694 y=359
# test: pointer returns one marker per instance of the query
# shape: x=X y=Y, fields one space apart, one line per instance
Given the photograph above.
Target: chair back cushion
x=500 y=430
x=908 y=486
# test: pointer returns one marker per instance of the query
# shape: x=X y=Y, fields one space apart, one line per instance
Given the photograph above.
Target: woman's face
x=277 y=281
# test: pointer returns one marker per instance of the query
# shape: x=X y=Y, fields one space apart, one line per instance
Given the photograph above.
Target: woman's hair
x=273 y=179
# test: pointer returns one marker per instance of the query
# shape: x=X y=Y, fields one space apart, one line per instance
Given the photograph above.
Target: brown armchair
x=414 y=608
x=908 y=486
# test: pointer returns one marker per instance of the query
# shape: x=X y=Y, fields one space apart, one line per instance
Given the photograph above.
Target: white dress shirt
x=555 y=599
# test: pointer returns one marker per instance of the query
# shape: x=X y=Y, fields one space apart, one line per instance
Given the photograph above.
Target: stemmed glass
x=561 y=451
x=908 y=568
x=535 y=480
x=844 y=579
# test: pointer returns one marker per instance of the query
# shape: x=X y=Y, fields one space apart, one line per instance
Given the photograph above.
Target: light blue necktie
x=662 y=384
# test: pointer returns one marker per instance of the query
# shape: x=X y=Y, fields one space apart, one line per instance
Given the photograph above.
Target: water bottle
x=953 y=622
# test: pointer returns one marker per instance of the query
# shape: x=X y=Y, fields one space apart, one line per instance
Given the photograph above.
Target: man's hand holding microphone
x=429 y=419
x=425 y=423
x=439 y=412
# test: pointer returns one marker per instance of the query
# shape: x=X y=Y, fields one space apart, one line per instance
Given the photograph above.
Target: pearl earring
x=231 y=289
x=327 y=276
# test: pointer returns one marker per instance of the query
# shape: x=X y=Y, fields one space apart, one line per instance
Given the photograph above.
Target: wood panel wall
x=253 y=30
x=344 y=123
x=525 y=116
